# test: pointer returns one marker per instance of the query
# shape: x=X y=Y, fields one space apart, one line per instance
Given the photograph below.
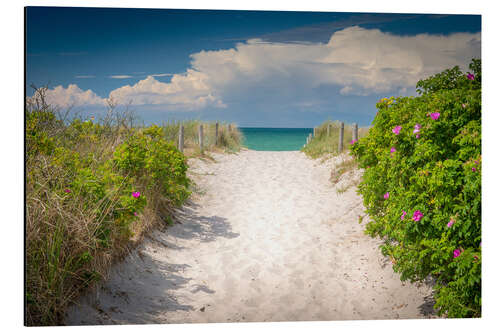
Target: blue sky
x=255 y=68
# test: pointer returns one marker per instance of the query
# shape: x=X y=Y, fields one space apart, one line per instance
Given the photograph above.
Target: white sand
x=267 y=238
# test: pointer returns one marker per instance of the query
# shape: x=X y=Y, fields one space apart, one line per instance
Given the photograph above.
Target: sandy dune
x=266 y=238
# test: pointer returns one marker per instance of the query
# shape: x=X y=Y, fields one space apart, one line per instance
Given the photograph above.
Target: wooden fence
x=340 y=147
x=201 y=139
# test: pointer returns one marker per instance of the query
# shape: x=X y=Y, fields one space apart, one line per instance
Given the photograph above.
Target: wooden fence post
x=200 y=136
x=181 y=138
x=315 y=131
x=328 y=129
x=229 y=128
x=216 y=133
x=355 y=132
x=341 y=137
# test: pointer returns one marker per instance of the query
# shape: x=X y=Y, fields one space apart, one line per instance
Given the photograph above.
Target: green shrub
x=422 y=186
x=87 y=186
x=38 y=132
x=150 y=159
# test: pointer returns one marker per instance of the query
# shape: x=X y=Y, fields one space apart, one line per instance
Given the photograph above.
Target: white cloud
x=379 y=62
x=187 y=91
x=72 y=96
x=355 y=61
x=120 y=76
x=85 y=76
x=346 y=90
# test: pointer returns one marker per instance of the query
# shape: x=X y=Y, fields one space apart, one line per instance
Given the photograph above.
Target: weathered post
x=229 y=128
x=309 y=138
x=328 y=130
x=341 y=137
x=216 y=133
x=181 y=138
x=315 y=131
x=200 y=136
x=355 y=132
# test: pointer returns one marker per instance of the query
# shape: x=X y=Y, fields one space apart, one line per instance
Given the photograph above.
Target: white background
x=12 y=161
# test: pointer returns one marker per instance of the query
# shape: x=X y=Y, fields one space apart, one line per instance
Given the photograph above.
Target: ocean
x=274 y=139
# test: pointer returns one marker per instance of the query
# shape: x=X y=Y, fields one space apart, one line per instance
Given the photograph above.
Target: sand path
x=266 y=238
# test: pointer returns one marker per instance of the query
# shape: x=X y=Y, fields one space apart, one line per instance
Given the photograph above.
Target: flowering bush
x=426 y=152
x=149 y=158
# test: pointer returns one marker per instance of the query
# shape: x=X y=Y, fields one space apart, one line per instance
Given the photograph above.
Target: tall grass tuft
x=323 y=144
x=229 y=141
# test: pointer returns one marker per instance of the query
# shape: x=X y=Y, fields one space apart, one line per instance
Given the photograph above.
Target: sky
x=253 y=68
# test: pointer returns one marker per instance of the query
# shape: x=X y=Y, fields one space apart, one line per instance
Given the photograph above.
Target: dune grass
x=229 y=137
x=323 y=144
x=93 y=190
x=347 y=165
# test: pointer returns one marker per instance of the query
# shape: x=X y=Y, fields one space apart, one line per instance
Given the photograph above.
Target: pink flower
x=396 y=130
x=417 y=136
x=473 y=169
x=67 y=190
x=393 y=150
x=417 y=128
x=417 y=215
x=386 y=195
x=136 y=194
x=470 y=76
x=435 y=115
x=456 y=253
x=353 y=141
x=403 y=215
x=463 y=106
x=135 y=213
x=450 y=223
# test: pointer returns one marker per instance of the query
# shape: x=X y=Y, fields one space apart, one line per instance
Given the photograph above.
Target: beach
x=266 y=236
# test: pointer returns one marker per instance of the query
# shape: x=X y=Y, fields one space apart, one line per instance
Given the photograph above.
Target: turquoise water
x=275 y=139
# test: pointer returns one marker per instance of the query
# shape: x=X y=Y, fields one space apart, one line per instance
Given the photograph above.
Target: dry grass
x=61 y=243
x=229 y=137
x=343 y=173
x=347 y=165
x=327 y=145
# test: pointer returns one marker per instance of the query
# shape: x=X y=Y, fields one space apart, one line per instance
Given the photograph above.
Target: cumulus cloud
x=187 y=91
x=72 y=96
x=378 y=62
x=355 y=61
